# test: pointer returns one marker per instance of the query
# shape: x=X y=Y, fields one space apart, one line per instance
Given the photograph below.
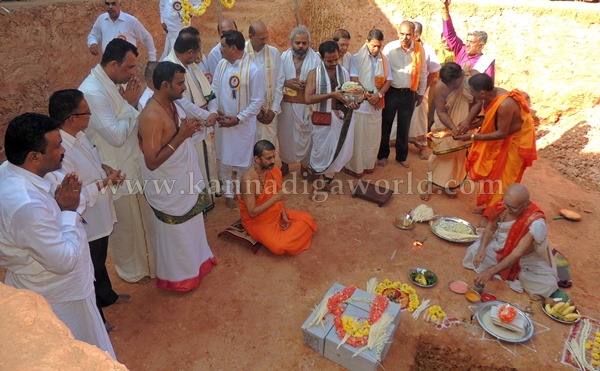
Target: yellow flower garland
x=402 y=287
x=228 y=4
x=188 y=10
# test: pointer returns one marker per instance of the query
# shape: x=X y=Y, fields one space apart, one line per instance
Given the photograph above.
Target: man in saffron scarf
x=281 y=230
x=514 y=245
x=505 y=144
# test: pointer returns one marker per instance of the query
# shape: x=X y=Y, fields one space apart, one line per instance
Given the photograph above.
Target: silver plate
x=483 y=317
x=435 y=221
x=561 y=320
x=415 y=271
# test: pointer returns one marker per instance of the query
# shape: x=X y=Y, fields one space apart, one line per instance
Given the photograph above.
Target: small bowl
x=488 y=296
x=459 y=287
x=473 y=296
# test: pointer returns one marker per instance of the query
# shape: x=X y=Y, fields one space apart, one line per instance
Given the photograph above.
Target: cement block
x=314 y=336
x=392 y=309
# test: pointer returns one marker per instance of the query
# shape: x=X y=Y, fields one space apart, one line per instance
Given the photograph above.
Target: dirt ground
x=247 y=313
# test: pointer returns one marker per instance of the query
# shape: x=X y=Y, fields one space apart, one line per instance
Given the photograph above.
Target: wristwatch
x=379 y=94
x=473 y=136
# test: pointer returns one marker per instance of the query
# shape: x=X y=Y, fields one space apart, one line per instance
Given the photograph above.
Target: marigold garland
x=358 y=331
x=399 y=292
x=188 y=10
x=228 y=4
x=436 y=313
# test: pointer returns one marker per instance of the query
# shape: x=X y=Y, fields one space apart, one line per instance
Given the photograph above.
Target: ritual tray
x=371 y=192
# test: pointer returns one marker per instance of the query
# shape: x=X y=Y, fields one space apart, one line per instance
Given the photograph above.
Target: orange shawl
x=488 y=159
x=519 y=229
x=415 y=63
x=380 y=80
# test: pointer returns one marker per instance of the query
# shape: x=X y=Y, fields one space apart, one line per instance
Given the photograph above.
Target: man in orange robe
x=505 y=145
x=264 y=217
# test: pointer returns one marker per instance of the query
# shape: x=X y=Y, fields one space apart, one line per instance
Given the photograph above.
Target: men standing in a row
x=295 y=129
x=372 y=70
x=117 y=24
x=183 y=256
x=71 y=110
x=240 y=89
x=196 y=99
x=113 y=127
x=470 y=54
x=409 y=80
x=215 y=56
x=43 y=244
x=268 y=59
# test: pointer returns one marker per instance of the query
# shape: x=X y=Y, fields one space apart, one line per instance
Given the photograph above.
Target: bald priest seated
x=281 y=230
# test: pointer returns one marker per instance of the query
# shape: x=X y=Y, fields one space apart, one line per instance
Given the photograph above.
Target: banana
x=571 y=317
x=569 y=310
x=558 y=307
x=549 y=310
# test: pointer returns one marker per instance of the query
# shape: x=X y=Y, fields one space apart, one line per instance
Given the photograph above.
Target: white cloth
x=146 y=95
x=325 y=139
x=538 y=274
x=197 y=86
x=234 y=144
x=295 y=126
x=112 y=127
x=365 y=67
x=181 y=249
x=170 y=15
x=401 y=64
x=483 y=63
x=82 y=158
x=345 y=62
x=214 y=57
x=268 y=59
x=45 y=250
x=418 y=123
x=126 y=27
x=367 y=137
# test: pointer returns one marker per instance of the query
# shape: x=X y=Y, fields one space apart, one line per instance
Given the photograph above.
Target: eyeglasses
x=88 y=113
x=514 y=209
x=109 y=3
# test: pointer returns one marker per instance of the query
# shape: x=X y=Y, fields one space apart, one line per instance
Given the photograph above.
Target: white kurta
x=45 y=250
x=214 y=57
x=183 y=255
x=113 y=130
x=295 y=126
x=126 y=27
x=170 y=15
x=538 y=274
x=234 y=144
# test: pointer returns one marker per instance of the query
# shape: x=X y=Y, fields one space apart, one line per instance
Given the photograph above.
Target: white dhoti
x=84 y=321
x=367 y=136
x=332 y=145
x=267 y=132
x=132 y=239
x=417 y=133
x=294 y=133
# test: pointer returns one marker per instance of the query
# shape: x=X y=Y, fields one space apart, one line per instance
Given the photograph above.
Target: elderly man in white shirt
x=71 y=109
x=43 y=244
x=240 y=89
x=214 y=56
x=113 y=129
x=118 y=24
x=268 y=59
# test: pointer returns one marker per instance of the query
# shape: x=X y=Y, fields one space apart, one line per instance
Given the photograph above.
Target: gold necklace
x=171 y=114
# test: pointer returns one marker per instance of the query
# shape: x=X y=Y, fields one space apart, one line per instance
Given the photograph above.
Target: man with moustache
x=342 y=38
x=117 y=24
x=295 y=130
x=266 y=57
x=43 y=243
x=112 y=129
x=281 y=230
x=183 y=255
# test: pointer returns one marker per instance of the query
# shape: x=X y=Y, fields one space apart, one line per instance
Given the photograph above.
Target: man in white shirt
x=268 y=59
x=409 y=80
x=215 y=56
x=342 y=38
x=42 y=240
x=118 y=24
x=170 y=18
x=113 y=129
x=70 y=109
x=240 y=89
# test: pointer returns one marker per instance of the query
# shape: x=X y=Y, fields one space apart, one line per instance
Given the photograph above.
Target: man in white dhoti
x=295 y=128
x=215 y=56
x=268 y=59
x=342 y=38
x=171 y=21
x=116 y=24
x=514 y=246
x=240 y=88
x=183 y=255
x=42 y=240
x=198 y=101
x=112 y=129
x=417 y=132
x=332 y=136
x=71 y=110
x=372 y=70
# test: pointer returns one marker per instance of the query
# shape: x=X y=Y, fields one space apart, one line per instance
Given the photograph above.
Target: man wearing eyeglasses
x=514 y=246
x=117 y=24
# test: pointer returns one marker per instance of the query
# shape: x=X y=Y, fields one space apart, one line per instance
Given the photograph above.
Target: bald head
x=226 y=25
x=516 y=198
x=258 y=34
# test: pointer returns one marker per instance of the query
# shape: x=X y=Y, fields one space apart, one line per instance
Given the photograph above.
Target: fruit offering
x=563 y=311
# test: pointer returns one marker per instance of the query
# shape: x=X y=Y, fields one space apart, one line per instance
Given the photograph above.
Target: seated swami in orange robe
x=281 y=230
